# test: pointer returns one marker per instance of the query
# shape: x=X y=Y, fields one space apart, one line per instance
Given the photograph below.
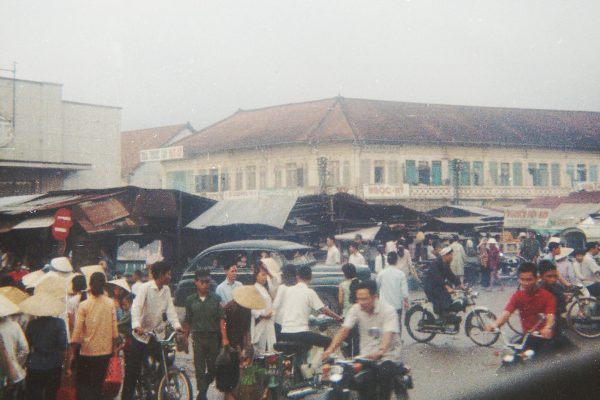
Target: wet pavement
x=450 y=364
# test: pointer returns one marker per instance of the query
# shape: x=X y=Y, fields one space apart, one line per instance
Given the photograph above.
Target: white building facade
x=398 y=169
x=48 y=143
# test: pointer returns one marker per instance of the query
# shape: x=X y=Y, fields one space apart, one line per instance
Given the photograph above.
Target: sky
x=168 y=62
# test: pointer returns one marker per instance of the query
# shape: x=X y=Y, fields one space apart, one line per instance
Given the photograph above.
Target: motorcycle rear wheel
x=414 y=316
x=475 y=328
x=177 y=387
x=583 y=317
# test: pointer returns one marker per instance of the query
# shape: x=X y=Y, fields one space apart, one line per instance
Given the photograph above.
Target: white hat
x=564 y=252
x=446 y=250
x=492 y=241
x=7 y=307
x=522 y=234
x=43 y=305
x=554 y=239
x=87 y=271
x=54 y=284
x=13 y=294
x=122 y=283
x=61 y=264
x=31 y=278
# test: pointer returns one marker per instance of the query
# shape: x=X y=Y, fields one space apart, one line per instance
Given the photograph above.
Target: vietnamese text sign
x=526 y=217
x=385 y=191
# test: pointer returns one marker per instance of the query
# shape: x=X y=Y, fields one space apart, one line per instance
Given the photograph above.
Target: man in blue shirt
x=225 y=288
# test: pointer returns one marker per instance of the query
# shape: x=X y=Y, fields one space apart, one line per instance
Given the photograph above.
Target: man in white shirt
x=333 y=253
x=152 y=302
x=369 y=313
x=393 y=287
x=137 y=277
x=355 y=257
x=589 y=270
x=458 y=260
x=295 y=306
x=225 y=288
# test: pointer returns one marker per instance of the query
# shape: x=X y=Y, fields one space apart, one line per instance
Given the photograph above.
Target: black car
x=326 y=278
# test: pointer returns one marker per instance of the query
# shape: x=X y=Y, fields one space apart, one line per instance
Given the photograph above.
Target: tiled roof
x=132 y=142
x=582 y=197
x=391 y=122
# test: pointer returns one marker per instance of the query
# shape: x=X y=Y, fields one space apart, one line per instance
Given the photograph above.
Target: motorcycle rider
x=369 y=313
x=437 y=283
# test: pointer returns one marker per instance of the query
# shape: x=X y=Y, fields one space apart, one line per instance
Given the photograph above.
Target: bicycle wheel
x=416 y=316
x=475 y=325
x=176 y=387
x=514 y=323
x=583 y=317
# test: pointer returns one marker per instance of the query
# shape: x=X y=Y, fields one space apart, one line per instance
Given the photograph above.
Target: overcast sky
x=168 y=62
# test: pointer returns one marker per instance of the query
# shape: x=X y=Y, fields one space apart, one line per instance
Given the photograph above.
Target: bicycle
x=162 y=379
x=582 y=313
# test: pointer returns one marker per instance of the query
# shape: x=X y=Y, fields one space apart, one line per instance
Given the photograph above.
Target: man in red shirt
x=531 y=301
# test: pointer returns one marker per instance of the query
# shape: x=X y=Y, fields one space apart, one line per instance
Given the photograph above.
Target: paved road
x=449 y=364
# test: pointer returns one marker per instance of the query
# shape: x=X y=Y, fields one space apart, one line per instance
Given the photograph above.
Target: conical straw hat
x=122 y=283
x=89 y=270
x=7 y=307
x=564 y=252
x=43 y=305
x=31 y=278
x=13 y=294
x=61 y=264
x=248 y=296
x=54 y=283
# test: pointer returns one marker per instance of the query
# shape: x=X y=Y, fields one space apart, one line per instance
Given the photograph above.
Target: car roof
x=272 y=245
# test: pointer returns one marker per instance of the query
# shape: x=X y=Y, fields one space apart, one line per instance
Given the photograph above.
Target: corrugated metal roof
x=35 y=222
x=571 y=214
x=268 y=210
x=10 y=200
x=368 y=234
x=463 y=220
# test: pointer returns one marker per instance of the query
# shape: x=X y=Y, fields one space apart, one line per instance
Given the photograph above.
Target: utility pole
x=456 y=166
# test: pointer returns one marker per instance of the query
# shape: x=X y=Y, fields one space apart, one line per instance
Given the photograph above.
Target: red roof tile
x=132 y=142
x=375 y=121
x=582 y=197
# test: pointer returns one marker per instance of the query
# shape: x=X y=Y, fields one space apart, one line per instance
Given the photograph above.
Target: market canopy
x=268 y=210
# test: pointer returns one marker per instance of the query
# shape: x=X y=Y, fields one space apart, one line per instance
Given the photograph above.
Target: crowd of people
x=71 y=321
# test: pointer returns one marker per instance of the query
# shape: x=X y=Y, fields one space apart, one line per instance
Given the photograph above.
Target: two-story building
x=419 y=155
x=47 y=143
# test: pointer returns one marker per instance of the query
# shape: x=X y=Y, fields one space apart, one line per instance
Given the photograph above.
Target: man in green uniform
x=204 y=317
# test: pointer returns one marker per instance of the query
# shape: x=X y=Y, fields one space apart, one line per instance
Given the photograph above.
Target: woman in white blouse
x=262 y=328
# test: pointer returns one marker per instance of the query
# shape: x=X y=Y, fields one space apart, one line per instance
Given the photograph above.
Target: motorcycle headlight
x=336 y=373
x=508 y=358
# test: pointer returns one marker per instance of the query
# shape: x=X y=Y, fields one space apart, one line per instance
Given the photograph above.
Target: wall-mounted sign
x=161 y=154
x=385 y=191
x=526 y=217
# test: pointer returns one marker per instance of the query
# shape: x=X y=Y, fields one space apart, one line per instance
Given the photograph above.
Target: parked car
x=326 y=278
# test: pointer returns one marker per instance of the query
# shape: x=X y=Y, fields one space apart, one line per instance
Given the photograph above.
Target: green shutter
x=436 y=173
x=517 y=177
x=411 y=172
x=493 y=171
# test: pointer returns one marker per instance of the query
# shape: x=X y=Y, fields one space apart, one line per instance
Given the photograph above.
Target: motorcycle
x=422 y=325
x=293 y=369
x=509 y=267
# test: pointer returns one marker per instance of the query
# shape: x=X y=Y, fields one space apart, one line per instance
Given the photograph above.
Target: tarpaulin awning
x=368 y=234
x=269 y=210
x=35 y=222
x=567 y=215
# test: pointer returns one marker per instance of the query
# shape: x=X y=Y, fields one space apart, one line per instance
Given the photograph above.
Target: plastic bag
x=114 y=377
x=228 y=369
